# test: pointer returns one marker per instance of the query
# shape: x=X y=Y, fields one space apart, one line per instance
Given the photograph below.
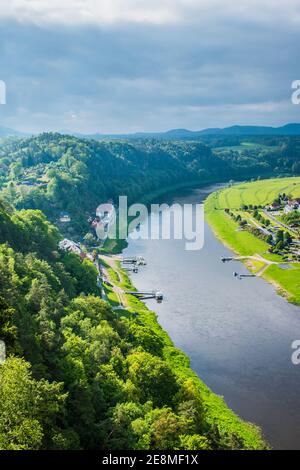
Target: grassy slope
x=244 y=243
x=217 y=412
x=258 y=192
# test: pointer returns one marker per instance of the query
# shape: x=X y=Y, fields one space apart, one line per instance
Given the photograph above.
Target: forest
x=53 y=172
x=79 y=375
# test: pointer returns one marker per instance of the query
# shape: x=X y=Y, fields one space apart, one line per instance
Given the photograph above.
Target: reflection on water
x=238 y=333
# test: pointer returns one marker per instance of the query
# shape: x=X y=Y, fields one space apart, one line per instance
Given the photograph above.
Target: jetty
x=224 y=259
x=144 y=295
x=241 y=276
x=138 y=260
x=133 y=269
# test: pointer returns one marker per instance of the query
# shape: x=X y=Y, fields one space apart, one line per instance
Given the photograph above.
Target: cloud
x=101 y=12
x=117 y=66
x=91 y=11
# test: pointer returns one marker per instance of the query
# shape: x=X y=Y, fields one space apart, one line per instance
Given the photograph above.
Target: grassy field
x=244 y=243
x=244 y=146
x=257 y=193
x=287 y=279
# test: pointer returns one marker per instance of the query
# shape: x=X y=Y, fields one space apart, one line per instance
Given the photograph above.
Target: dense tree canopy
x=78 y=375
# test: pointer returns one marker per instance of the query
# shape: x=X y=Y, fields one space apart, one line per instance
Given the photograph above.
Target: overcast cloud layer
x=132 y=65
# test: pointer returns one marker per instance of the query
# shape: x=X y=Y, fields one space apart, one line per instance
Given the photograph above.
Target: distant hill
x=288 y=129
x=292 y=129
x=7 y=132
x=179 y=134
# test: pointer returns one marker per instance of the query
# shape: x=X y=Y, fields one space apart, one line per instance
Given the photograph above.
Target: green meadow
x=260 y=193
x=257 y=193
x=244 y=146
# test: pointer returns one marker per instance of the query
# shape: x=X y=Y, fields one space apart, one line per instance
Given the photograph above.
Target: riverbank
x=217 y=413
x=247 y=245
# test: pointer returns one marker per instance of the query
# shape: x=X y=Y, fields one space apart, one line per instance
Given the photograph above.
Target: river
x=237 y=333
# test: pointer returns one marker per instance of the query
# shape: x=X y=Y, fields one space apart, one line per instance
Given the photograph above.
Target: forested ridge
x=54 y=172
x=78 y=375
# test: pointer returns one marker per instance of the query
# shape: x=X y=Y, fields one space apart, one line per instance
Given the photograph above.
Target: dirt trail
x=111 y=261
x=260 y=259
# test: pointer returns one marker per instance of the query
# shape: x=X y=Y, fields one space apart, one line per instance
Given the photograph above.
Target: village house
x=292 y=205
x=72 y=247
x=274 y=206
x=64 y=218
x=69 y=245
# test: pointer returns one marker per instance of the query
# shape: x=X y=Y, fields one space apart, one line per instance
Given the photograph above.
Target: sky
x=116 y=66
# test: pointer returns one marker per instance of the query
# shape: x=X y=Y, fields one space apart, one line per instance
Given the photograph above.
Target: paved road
x=264 y=230
x=277 y=222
